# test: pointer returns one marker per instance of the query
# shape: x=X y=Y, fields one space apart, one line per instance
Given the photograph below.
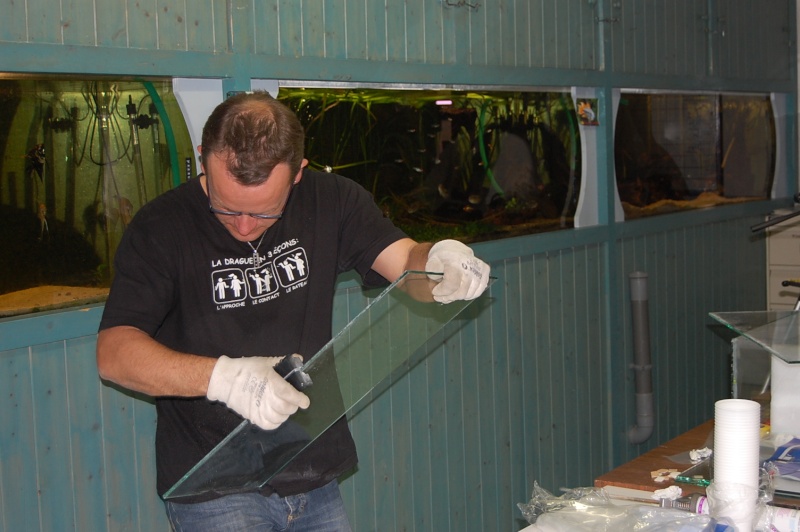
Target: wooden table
x=635 y=475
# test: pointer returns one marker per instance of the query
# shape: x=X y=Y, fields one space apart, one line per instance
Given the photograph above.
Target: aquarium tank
x=467 y=164
x=79 y=158
x=682 y=151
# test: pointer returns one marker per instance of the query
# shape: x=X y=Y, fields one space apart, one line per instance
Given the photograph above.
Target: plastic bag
x=590 y=510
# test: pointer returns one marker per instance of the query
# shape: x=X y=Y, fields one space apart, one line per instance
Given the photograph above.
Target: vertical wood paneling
x=49 y=388
x=335 y=30
x=172 y=30
x=13 y=23
x=313 y=28
x=477 y=38
x=745 y=29
x=470 y=412
x=355 y=29
x=142 y=24
x=663 y=38
x=42 y=22
x=88 y=493
x=415 y=32
x=53 y=475
x=737 y=39
x=77 y=23
x=111 y=25
x=536 y=27
x=290 y=24
x=375 y=19
x=266 y=26
x=396 y=31
x=419 y=459
x=205 y=26
x=687 y=280
x=17 y=439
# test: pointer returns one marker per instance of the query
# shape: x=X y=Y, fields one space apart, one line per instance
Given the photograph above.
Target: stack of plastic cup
x=734 y=490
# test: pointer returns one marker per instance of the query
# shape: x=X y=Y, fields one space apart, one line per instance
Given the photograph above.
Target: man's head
x=253 y=133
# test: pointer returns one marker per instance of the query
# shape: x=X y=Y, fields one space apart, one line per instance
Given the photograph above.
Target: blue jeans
x=319 y=510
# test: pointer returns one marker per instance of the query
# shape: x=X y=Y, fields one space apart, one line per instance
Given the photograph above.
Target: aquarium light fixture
x=444 y=102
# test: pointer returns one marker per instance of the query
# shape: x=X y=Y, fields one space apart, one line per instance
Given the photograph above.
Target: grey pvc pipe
x=642 y=361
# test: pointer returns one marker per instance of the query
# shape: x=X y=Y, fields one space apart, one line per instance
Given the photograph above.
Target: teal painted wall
x=535 y=385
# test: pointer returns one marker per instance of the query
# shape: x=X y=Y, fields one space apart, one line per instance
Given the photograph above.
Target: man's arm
x=131 y=358
x=250 y=386
x=403 y=255
x=464 y=275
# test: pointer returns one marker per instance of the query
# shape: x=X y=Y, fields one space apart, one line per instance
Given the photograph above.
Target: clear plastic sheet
x=385 y=339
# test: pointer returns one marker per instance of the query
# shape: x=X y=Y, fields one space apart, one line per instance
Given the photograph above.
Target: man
x=219 y=278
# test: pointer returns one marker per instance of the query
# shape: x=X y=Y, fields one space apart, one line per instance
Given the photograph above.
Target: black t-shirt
x=182 y=278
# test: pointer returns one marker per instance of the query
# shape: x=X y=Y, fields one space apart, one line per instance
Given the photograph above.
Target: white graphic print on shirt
x=233 y=287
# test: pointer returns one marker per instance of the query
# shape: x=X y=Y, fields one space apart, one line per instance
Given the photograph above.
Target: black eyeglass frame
x=250 y=214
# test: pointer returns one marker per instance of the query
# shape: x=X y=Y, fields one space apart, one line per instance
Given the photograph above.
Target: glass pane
x=681 y=151
x=79 y=158
x=385 y=339
x=467 y=164
x=778 y=331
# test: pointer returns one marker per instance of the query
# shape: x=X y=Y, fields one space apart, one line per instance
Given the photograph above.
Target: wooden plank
x=335 y=29
x=172 y=25
x=475 y=357
x=491 y=345
x=290 y=20
x=85 y=435
x=266 y=27
x=356 y=30
x=18 y=481
x=478 y=37
x=13 y=23
x=77 y=23
x=42 y=22
x=142 y=24
x=396 y=41
x=150 y=512
x=362 y=488
x=520 y=24
x=402 y=440
x=375 y=31
x=119 y=464
x=455 y=435
x=112 y=28
x=51 y=420
x=545 y=415
x=419 y=463
x=313 y=28
x=205 y=26
x=439 y=465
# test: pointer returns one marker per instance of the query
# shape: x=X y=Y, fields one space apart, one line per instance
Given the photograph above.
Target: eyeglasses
x=250 y=214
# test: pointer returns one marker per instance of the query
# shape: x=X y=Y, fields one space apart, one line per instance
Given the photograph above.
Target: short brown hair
x=254 y=132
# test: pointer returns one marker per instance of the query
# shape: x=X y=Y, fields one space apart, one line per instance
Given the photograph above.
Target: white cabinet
x=783 y=263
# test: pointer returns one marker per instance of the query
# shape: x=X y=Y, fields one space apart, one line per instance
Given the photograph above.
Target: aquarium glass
x=79 y=159
x=683 y=151
x=396 y=331
x=467 y=164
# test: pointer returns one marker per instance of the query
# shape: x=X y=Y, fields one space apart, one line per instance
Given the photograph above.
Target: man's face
x=240 y=202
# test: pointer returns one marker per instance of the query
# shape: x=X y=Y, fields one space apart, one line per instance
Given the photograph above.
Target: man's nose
x=245 y=224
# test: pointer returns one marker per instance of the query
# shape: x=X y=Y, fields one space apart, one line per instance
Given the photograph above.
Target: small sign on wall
x=587 y=111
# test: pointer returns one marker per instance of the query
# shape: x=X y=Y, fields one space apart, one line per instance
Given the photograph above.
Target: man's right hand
x=253 y=389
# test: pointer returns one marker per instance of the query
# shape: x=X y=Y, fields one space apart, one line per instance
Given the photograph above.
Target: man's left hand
x=465 y=276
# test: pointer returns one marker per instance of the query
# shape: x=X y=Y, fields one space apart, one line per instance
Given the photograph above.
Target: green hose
x=173 y=149
x=482 y=149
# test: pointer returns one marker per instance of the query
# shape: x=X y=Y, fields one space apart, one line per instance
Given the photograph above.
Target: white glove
x=253 y=389
x=465 y=276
